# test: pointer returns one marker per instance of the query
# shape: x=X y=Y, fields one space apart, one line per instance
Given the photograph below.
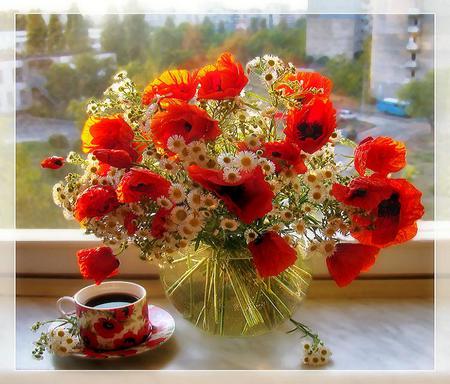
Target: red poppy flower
x=129 y=222
x=271 y=254
x=103 y=169
x=304 y=86
x=53 y=162
x=284 y=154
x=109 y=133
x=89 y=339
x=311 y=126
x=177 y=84
x=121 y=314
x=139 y=184
x=95 y=201
x=349 y=260
x=159 y=223
x=155 y=342
x=390 y=209
x=224 y=80
x=108 y=328
x=249 y=199
x=97 y=263
x=118 y=158
x=186 y=120
x=382 y=155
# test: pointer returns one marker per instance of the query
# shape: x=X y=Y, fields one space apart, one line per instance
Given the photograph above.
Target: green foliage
x=76 y=111
x=36 y=34
x=55 y=42
x=113 y=38
x=58 y=141
x=21 y=22
x=420 y=94
x=76 y=33
x=350 y=76
x=62 y=83
x=34 y=204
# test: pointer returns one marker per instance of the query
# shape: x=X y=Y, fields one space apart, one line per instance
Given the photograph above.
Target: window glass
x=63 y=60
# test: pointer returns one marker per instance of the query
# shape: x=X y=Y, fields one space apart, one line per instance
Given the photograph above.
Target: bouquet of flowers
x=230 y=175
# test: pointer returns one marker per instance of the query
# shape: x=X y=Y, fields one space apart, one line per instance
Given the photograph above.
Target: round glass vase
x=220 y=292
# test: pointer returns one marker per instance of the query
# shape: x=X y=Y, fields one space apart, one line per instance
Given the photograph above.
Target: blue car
x=393 y=106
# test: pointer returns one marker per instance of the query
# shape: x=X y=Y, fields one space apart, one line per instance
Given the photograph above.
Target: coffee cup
x=112 y=315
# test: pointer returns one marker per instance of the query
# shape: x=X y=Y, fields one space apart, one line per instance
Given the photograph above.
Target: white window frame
x=51 y=253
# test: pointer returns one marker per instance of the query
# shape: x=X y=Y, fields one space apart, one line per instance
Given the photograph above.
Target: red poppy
x=249 y=199
x=95 y=201
x=129 y=339
x=139 y=184
x=284 y=154
x=97 y=263
x=122 y=314
x=53 y=162
x=129 y=222
x=311 y=126
x=177 y=84
x=304 y=86
x=108 y=328
x=389 y=209
x=224 y=80
x=186 y=120
x=159 y=223
x=118 y=158
x=89 y=339
x=103 y=169
x=382 y=155
x=109 y=133
x=155 y=342
x=349 y=260
x=271 y=254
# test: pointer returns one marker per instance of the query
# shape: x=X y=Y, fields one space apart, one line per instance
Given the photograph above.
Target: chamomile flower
x=205 y=214
x=270 y=77
x=177 y=193
x=300 y=227
x=311 y=178
x=58 y=194
x=200 y=158
x=210 y=201
x=245 y=160
x=197 y=147
x=272 y=61
x=313 y=249
x=195 y=198
x=231 y=175
x=168 y=165
x=286 y=215
x=182 y=243
x=252 y=64
x=250 y=235
x=327 y=173
x=336 y=136
x=327 y=247
x=252 y=142
x=225 y=159
x=307 y=208
x=176 y=143
x=179 y=214
x=229 y=224
x=317 y=195
x=164 y=202
x=267 y=166
x=194 y=221
x=186 y=231
x=288 y=175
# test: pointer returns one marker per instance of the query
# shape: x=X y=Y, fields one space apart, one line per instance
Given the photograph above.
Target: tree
x=62 y=83
x=420 y=95
x=137 y=35
x=93 y=76
x=21 y=22
x=36 y=34
x=76 y=33
x=113 y=38
x=55 y=39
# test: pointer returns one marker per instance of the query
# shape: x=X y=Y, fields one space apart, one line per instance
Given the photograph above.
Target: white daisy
x=179 y=214
x=176 y=143
x=231 y=175
x=270 y=77
x=250 y=235
x=229 y=224
x=195 y=198
x=267 y=166
x=225 y=159
x=300 y=227
x=252 y=142
x=286 y=215
x=177 y=193
x=186 y=231
x=197 y=146
x=210 y=201
x=194 y=221
x=164 y=202
x=272 y=61
x=245 y=160
x=327 y=247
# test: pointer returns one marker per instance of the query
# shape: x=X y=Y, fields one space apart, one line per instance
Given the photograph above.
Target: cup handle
x=60 y=304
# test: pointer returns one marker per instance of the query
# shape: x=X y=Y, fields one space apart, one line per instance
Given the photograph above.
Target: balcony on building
x=412 y=46
x=413 y=29
x=411 y=64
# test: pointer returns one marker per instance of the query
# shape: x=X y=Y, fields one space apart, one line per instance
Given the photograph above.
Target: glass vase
x=220 y=291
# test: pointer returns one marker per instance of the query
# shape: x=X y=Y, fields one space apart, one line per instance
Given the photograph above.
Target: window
x=52 y=124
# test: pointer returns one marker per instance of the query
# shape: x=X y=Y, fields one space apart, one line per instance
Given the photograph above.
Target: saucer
x=162 y=324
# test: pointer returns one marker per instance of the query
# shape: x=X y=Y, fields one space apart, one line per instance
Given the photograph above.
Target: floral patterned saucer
x=163 y=326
